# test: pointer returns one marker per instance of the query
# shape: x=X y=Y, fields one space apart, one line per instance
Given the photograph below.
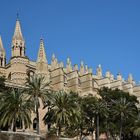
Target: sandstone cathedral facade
x=67 y=78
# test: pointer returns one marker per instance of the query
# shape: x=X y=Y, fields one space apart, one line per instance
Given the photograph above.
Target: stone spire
x=42 y=65
x=53 y=57
x=130 y=78
x=2 y=54
x=82 y=68
x=18 y=34
x=1 y=46
x=108 y=74
x=68 y=66
x=119 y=77
x=18 y=43
x=99 y=71
x=86 y=68
x=54 y=62
x=41 y=53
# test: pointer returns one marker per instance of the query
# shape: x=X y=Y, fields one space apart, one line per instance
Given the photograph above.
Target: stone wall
x=19 y=136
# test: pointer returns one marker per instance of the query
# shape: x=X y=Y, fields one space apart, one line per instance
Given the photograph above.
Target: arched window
x=19 y=124
x=35 y=124
x=1 y=61
x=20 y=51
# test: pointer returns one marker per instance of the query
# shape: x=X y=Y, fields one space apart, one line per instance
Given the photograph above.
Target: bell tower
x=18 y=62
x=18 y=43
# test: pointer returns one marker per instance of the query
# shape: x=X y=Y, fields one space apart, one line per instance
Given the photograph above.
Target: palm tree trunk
x=80 y=136
x=120 y=132
x=97 y=127
x=91 y=128
x=14 y=125
x=120 y=128
x=37 y=116
x=107 y=132
x=59 y=131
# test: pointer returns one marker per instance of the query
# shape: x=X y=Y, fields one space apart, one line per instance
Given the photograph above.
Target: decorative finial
x=119 y=76
x=68 y=61
x=61 y=64
x=41 y=37
x=53 y=56
x=99 y=71
x=82 y=63
x=75 y=67
x=17 y=16
x=130 y=78
x=90 y=70
x=86 y=68
x=99 y=66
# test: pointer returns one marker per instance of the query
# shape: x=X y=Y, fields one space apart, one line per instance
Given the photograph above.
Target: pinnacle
x=1 y=46
x=18 y=34
x=41 y=52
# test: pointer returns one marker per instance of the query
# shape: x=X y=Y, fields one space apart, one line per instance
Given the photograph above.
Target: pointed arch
x=35 y=124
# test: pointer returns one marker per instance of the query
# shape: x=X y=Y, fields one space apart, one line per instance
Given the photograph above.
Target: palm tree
x=36 y=88
x=136 y=126
x=123 y=110
x=62 y=111
x=100 y=109
x=15 y=106
x=88 y=109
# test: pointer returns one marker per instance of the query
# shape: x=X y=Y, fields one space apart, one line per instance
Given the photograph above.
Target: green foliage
x=36 y=89
x=122 y=112
x=75 y=115
x=136 y=127
x=115 y=113
x=109 y=94
x=62 y=111
x=15 y=106
x=3 y=88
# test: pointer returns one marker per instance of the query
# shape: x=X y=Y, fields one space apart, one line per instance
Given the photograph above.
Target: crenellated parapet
x=83 y=80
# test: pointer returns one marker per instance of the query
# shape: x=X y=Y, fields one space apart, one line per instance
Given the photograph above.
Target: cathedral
x=67 y=78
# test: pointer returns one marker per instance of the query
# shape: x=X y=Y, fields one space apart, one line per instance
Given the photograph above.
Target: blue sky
x=105 y=32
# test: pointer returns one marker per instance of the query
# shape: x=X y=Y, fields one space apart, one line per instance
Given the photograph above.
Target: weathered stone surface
x=19 y=136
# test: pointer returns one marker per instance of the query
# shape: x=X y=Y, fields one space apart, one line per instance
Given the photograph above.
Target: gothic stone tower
x=18 y=70
x=20 y=67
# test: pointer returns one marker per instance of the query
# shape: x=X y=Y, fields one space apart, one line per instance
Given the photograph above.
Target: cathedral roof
x=41 y=53
x=18 y=33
